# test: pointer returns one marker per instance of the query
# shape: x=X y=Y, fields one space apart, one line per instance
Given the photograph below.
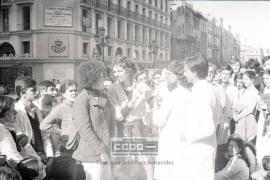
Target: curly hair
x=125 y=63
x=89 y=72
x=253 y=64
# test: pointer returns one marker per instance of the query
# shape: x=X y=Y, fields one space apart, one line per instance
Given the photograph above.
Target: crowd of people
x=211 y=122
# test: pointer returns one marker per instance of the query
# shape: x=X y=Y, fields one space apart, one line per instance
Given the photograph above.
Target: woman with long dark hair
x=238 y=166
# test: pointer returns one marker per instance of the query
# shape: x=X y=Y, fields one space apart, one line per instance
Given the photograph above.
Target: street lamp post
x=154 y=50
x=101 y=42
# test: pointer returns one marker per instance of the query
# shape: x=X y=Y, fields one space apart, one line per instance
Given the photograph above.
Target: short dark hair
x=198 y=64
x=89 y=72
x=227 y=68
x=5 y=104
x=67 y=83
x=44 y=85
x=22 y=83
x=234 y=61
x=139 y=71
x=250 y=74
x=238 y=76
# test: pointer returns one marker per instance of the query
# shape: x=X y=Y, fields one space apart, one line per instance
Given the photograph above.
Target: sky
x=251 y=19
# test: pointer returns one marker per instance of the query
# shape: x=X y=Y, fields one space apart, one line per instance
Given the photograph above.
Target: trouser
x=92 y=171
x=97 y=171
x=221 y=161
x=65 y=167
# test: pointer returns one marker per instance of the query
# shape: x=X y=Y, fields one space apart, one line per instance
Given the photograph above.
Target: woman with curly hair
x=170 y=119
x=92 y=115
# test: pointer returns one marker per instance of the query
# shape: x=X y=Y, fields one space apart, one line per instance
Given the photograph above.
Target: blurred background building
x=48 y=39
x=194 y=32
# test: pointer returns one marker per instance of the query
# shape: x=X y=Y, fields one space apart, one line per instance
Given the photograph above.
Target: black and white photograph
x=134 y=90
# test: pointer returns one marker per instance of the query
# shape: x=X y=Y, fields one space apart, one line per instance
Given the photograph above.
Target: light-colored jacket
x=24 y=127
x=236 y=169
x=8 y=147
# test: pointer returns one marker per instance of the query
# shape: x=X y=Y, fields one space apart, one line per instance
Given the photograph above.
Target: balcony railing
x=116 y=9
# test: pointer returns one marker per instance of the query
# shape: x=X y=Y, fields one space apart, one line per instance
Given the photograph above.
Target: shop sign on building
x=58 y=16
x=58 y=46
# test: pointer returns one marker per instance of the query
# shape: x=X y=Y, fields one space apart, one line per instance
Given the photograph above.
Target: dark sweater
x=37 y=141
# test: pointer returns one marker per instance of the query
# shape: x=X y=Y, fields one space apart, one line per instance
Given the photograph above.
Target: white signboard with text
x=59 y=71
x=58 y=16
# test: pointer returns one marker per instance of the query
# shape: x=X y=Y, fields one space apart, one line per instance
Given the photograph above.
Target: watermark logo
x=122 y=146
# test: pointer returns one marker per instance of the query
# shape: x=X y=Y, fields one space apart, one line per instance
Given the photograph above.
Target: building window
x=136 y=54
x=150 y=14
x=84 y=20
x=119 y=29
x=150 y=36
x=161 y=39
x=5 y=20
x=156 y=17
x=143 y=11
x=129 y=32
x=161 y=19
x=167 y=40
x=98 y=20
x=129 y=6
x=137 y=33
x=144 y=34
x=119 y=4
x=137 y=8
x=166 y=21
x=150 y=2
x=26 y=18
x=25 y=47
x=156 y=3
x=109 y=26
x=144 y=54
x=161 y=4
x=85 y=48
x=129 y=52
x=110 y=51
x=109 y=4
